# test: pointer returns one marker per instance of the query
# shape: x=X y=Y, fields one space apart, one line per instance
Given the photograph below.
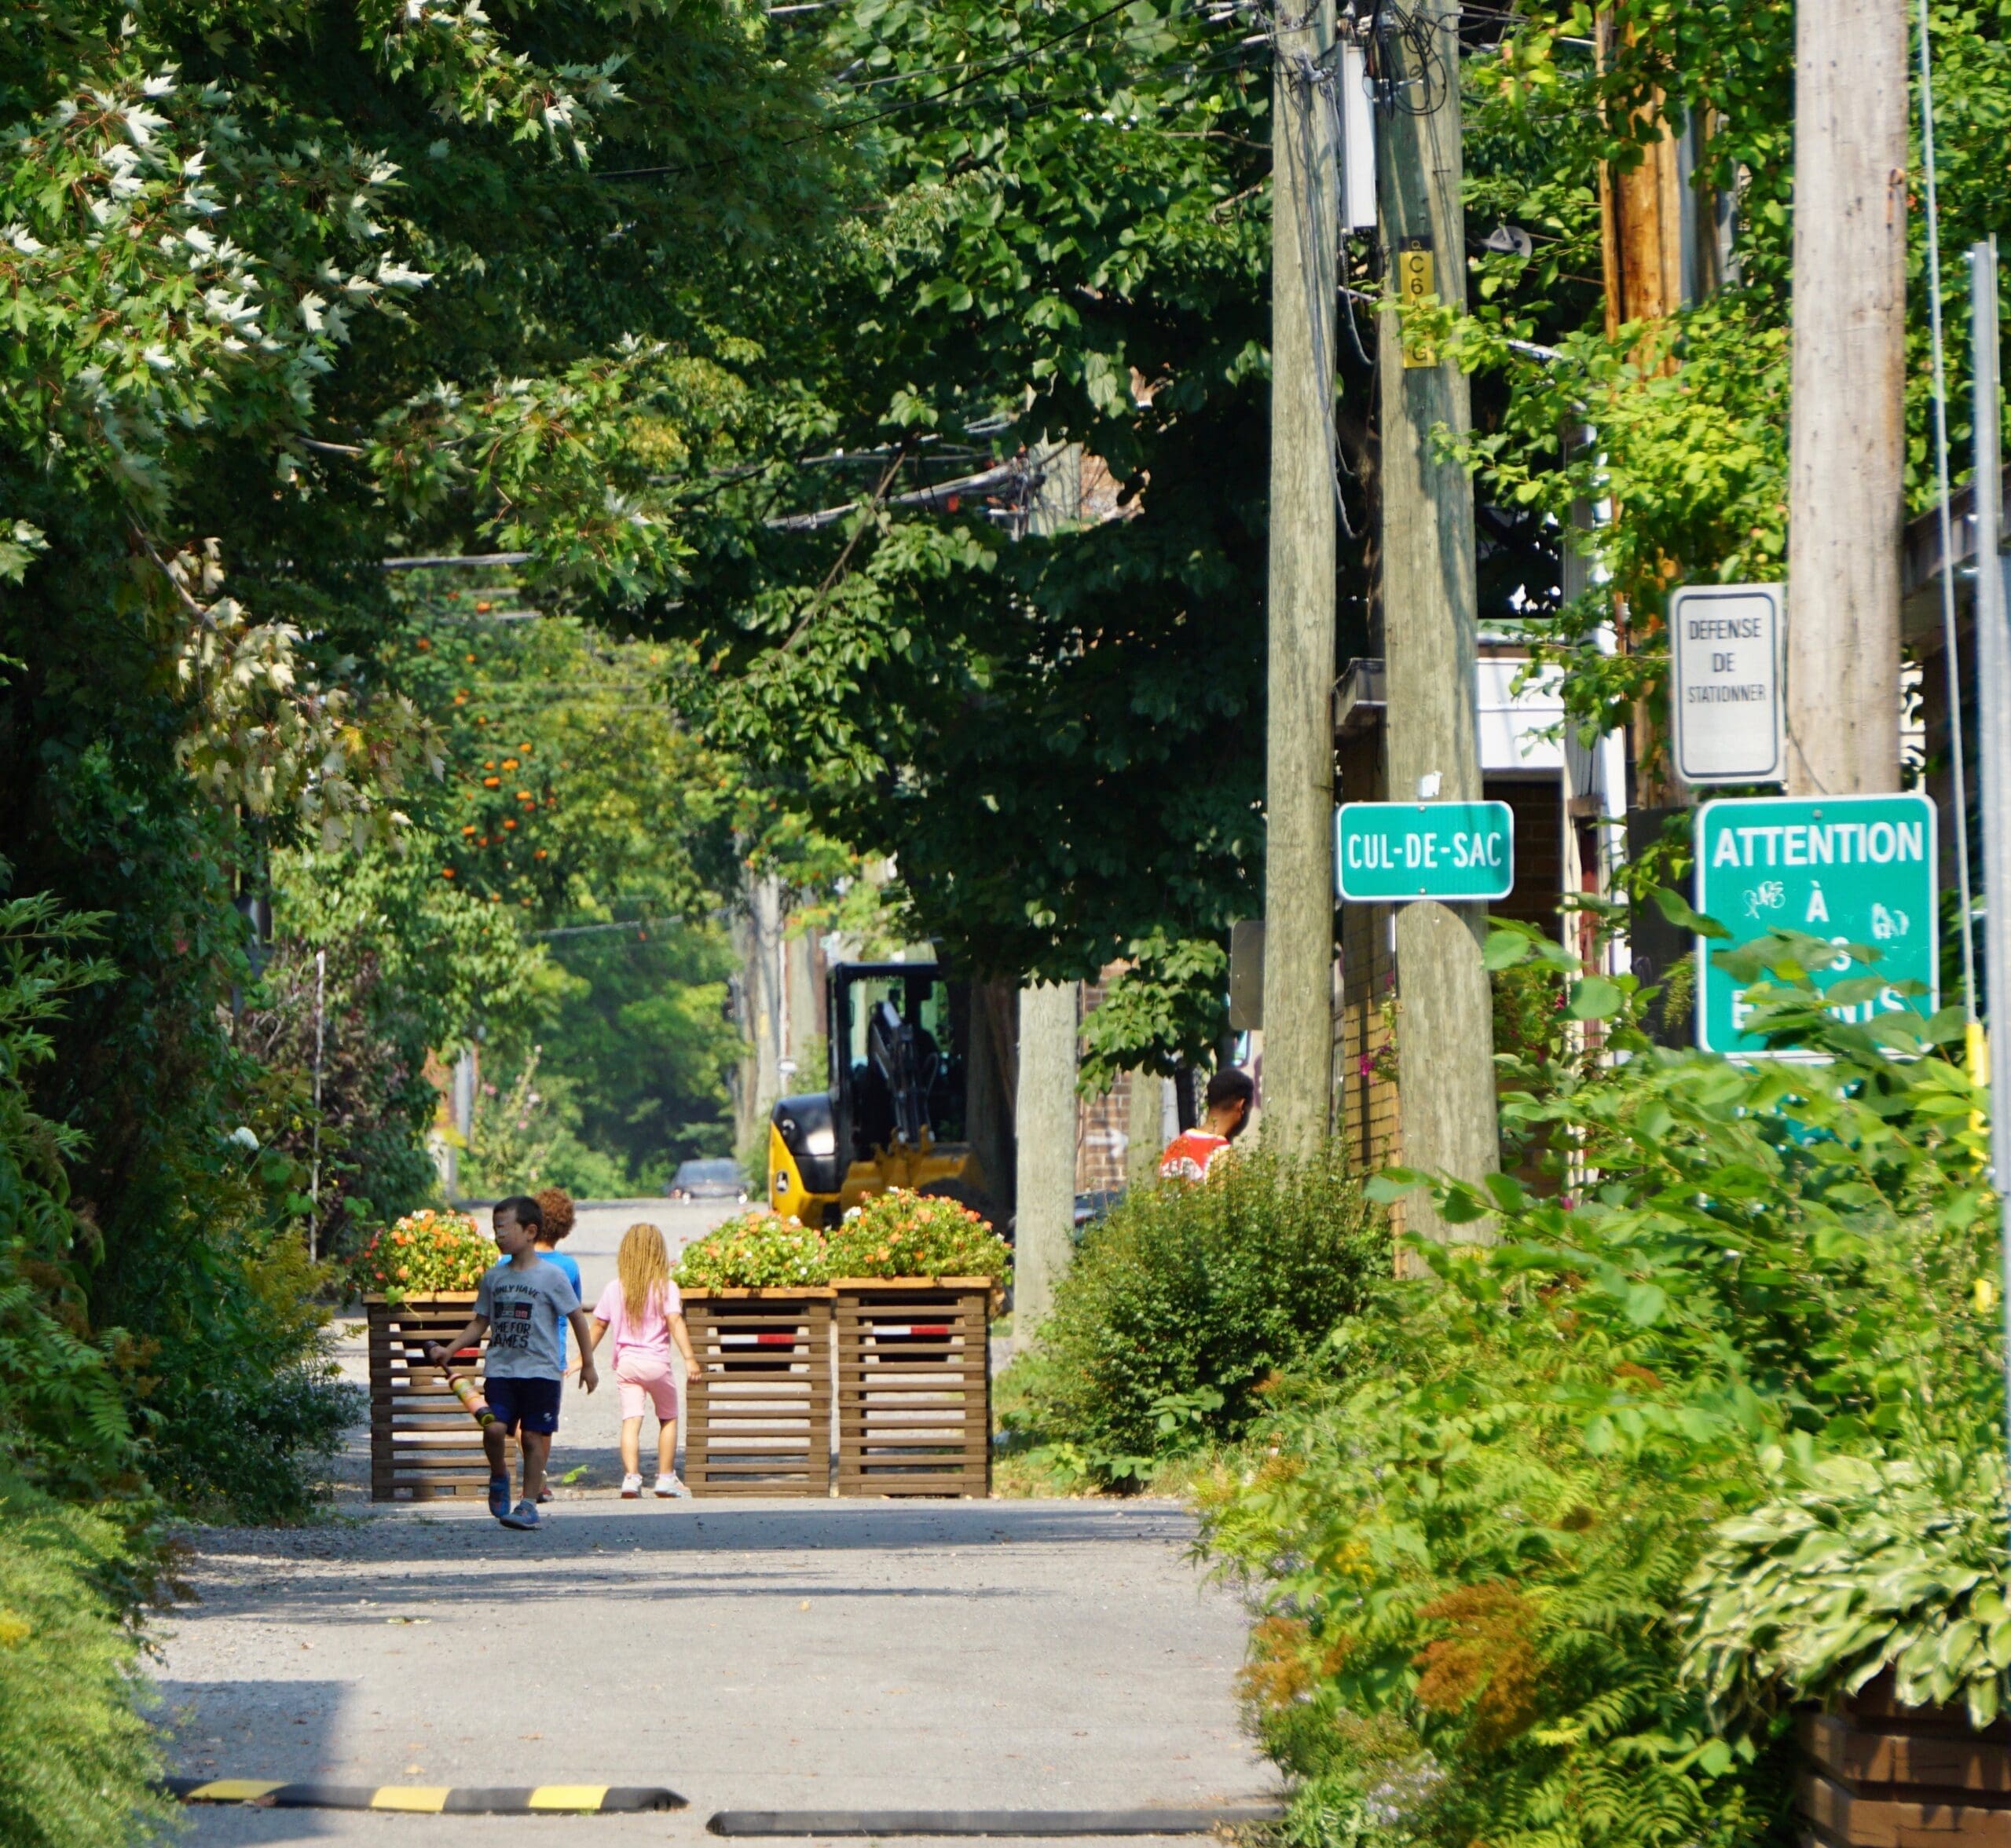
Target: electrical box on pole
x=1357 y=138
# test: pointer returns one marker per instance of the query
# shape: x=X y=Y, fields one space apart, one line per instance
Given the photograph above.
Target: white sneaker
x=631 y=1488
x=668 y=1486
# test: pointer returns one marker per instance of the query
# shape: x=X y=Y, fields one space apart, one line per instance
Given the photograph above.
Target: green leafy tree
x=1055 y=239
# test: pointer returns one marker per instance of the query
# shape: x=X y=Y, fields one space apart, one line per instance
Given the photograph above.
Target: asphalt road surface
x=770 y=1655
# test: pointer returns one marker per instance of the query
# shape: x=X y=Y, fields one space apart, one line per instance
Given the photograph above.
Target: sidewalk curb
x=544 y=1799
x=989 y=1822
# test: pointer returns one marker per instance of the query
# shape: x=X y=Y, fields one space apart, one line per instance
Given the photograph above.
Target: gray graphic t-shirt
x=525 y=1304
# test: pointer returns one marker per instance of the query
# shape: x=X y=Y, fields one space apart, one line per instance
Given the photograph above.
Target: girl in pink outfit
x=646 y=1314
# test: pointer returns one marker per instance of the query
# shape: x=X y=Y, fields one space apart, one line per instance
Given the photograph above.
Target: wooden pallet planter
x=423 y=1445
x=759 y=1419
x=1879 y=1774
x=915 y=1386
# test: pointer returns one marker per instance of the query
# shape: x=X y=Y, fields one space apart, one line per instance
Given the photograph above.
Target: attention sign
x=1387 y=852
x=1725 y=683
x=1853 y=868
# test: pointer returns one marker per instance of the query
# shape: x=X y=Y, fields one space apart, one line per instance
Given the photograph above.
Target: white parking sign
x=1724 y=647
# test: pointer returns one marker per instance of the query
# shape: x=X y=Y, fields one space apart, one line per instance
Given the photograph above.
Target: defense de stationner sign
x=1853 y=868
x=1387 y=852
x=1725 y=683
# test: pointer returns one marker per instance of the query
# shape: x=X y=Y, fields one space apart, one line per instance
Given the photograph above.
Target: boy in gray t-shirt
x=520 y=1306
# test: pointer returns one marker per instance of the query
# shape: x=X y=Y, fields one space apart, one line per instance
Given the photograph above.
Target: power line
x=451 y=561
x=1959 y=769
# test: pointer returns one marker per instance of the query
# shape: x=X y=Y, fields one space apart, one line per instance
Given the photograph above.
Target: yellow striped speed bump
x=424 y=1799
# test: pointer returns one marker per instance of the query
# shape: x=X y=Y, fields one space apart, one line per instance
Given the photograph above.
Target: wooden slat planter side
x=1879 y=1774
x=915 y=1386
x=759 y=1422
x=423 y=1446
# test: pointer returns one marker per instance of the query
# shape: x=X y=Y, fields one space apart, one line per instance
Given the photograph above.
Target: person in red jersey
x=1225 y=1114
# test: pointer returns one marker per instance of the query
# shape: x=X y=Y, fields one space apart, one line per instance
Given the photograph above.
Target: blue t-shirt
x=571 y=1268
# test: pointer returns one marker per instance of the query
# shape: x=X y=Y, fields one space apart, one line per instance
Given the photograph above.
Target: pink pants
x=645 y=1380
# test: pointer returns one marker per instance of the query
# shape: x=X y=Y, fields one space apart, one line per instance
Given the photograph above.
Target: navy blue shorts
x=531 y=1404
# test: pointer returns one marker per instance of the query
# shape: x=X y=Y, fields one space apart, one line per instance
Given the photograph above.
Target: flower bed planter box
x=759 y=1419
x=1879 y=1774
x=914 y=1386
x=423 y=1445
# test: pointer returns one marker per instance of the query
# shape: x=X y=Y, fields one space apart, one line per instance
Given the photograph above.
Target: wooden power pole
x=1847 y=430
x=1445 y=1028
x=1641 y=218
x=1045 y=1191
x=1298 y=857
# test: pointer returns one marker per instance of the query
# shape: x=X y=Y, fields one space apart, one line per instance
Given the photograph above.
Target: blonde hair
x=643 y=1266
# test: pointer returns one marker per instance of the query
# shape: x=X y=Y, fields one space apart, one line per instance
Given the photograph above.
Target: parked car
x=1090 y=1207
x=717 y=1180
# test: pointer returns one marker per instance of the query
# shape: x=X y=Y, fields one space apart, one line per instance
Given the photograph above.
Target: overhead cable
x=1958 y=766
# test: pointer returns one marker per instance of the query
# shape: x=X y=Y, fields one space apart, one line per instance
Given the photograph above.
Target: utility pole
x=1044 y=1225
x=1299 y=803
x=1641 y=251
x=1847 y=430
x=1445 y=1028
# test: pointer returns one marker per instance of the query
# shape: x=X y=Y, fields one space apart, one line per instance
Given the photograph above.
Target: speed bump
x=543 y=1799
x=1024 y=1822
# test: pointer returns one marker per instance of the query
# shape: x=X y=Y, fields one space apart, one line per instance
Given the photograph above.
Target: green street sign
x=1854 y=869
x=1387 y=852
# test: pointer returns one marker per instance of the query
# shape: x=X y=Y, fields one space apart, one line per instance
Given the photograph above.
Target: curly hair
x=556 y=1205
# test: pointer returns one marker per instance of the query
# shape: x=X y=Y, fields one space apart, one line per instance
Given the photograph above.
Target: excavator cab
x=892 y=1114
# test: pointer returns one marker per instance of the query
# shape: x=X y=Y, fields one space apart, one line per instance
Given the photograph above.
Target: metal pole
x=1993 y=715
x=314 y=1183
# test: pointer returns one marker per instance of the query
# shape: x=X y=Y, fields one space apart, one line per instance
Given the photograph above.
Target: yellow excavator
x=893 y=1113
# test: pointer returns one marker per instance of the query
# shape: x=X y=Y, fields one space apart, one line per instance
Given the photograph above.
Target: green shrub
x=241 y=1405
x=76 y=1758
x=1528 y=1571
x=1186 y=1299
x=1856 y=1566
